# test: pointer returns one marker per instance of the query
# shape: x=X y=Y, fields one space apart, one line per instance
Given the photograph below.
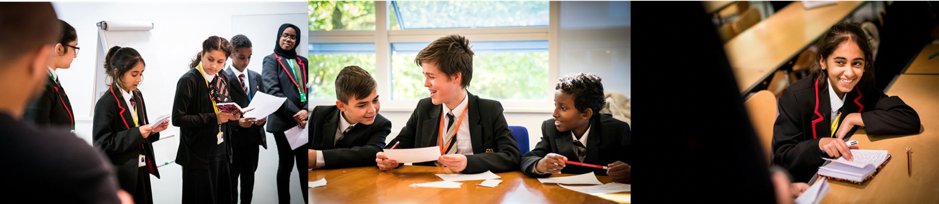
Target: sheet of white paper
x=490 y=183
x=438 y=184
x=318 y=183
x=297 y=136
x=587 y=178
x=601 y=189
x=468 y=177
x=814 y=194
x=414 y=155
x=263 y=104
x=161 y=119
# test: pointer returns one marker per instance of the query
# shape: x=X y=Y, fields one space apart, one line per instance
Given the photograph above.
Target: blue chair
x=521 y=137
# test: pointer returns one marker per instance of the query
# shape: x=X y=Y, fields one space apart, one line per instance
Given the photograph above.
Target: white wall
x=179 y=29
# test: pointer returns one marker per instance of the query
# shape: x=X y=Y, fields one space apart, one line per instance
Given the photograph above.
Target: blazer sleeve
x=506 y=157
x=39 y=110
x=891 y=116
x=111 y=141
x=790 y=150
x=181 y=104
x=269 y=76
x=359 y=155
x=541 y=149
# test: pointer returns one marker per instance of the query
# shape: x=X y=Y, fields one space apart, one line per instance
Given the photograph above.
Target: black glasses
x=292 y=37
x=74 y=47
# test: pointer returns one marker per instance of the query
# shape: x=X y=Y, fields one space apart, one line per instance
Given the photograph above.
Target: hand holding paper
x=263 y=105
x=414 y=155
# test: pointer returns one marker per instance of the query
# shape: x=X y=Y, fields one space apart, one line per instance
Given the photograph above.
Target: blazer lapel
x=565 y=144
x=476 y=130
x=431 y=126
x=330 y=132
x=236 y=87
x=123 y=108
x=593 y=141
x=823 y=129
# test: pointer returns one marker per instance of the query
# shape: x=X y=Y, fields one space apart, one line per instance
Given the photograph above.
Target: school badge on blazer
x=488 y=150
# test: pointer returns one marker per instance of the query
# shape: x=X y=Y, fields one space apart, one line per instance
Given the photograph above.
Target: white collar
x=583 y=139
x=127 y=94
x=459 y=108
x=836 y=101
x=343 y=123
x=207 y=76
x=234 y=70
x=51 y=70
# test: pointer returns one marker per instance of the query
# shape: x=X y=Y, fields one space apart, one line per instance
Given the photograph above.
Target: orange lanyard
x=453 y=132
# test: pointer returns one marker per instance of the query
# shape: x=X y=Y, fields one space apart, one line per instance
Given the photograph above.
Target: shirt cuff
x=319 y=159
x=534 y=169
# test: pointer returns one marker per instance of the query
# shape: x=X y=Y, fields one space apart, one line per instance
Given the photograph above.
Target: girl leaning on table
x=121 y=128
x=204 y=151
x=816 y=112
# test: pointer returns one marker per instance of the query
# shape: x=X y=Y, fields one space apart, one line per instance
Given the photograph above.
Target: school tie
x=347 y=129
x=241 y=78
x=450 y=123
x=580 y=150
x=835 y=123
x=449 y=137
x=133 y=105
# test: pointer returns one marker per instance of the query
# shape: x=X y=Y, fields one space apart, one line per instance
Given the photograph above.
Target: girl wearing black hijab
x=285 y=75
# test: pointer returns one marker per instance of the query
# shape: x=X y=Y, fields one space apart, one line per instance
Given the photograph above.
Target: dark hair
x=68 y=35
x=586 y=90
x=119 y=60
x=211 y=44
x=26 y=27
x=240 y=41
x=838 y=34
x=354 y=81
x=452 y=54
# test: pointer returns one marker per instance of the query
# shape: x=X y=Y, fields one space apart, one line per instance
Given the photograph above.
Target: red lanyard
x=303 y=90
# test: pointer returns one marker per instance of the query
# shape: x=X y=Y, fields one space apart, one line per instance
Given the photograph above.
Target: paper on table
x=414 y=155
x=438 y=184
x=490 y=183
x=814 y=194
x=318 y=183
x=601 y=189
x=468 y=177
x=161 y=119
x=587 y=178
x=263 y=104
x=297 y=136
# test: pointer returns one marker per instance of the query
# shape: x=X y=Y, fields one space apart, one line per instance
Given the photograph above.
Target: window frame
x=383 y=37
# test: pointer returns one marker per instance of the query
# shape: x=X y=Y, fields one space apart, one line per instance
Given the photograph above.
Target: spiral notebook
x=865 y=165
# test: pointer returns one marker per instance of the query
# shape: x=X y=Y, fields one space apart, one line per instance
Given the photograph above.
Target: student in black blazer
x=479 y=138
x=350 y=133
x=578 y=99
x=285 y=75
x=249 y=133
x=817 y=112
x=205 y=143
x=38 y=161
x=53 y=109
x=121 y=126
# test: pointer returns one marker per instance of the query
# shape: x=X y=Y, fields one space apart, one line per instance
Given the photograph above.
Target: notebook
x=865 y=165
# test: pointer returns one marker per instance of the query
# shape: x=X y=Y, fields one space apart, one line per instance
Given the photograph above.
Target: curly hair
x=586 y=90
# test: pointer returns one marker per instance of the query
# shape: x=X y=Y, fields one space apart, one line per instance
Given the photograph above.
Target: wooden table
x=370 y=185
x=892 y=184
x=757 y=52
x=922 y=64
x=715 y=6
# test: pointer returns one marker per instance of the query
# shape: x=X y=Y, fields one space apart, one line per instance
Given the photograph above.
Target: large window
x=512 y=42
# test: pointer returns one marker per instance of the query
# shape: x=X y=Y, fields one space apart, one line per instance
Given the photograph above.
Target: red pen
x=396 y=145
x=587 y=165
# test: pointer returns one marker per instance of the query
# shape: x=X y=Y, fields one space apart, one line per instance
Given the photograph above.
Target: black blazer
x=801 y=123
x=243 y=137
x=114 y=133
x=356 y=148
x=194 y=114
x=35 y=160
x=278 y=81
x=607 y=142
x=52 y=108
x=494 y=148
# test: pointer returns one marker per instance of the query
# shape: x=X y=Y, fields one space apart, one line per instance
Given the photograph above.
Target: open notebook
x=865 y=165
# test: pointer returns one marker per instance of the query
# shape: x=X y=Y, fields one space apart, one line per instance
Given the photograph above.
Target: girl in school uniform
x=204 y=151
x=285 y=75
x=121 y=127
x=52 y=108
x=816 y=112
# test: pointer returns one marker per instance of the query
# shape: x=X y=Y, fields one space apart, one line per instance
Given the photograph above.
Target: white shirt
x=247 y=82
x=464 y=143
x=127 y=96
x=343 y=124
x=836 y=101
x=207 y=76
x=51 y=70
